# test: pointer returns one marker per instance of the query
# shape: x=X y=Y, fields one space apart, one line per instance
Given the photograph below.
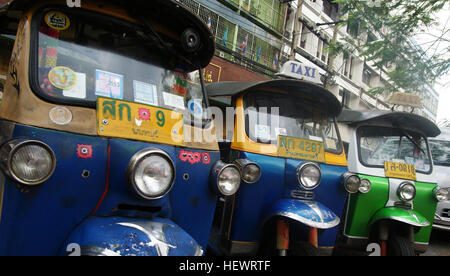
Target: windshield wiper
x=412 y=140
x=162 y=44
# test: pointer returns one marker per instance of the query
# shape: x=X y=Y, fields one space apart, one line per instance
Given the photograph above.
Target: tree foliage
x=394 y=23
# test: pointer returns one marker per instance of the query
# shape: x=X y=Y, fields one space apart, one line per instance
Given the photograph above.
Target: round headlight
x=226 y=178
x=440 y=194
x=229 y=180
x=309 y=176
x=28 y=162
x=151 y=173
x=365 y=186
x=406 y=191
x=250 y=171
x=351 y=182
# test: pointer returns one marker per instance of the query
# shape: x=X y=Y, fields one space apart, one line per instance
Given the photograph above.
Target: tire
x=399 y=246
x=301 y=248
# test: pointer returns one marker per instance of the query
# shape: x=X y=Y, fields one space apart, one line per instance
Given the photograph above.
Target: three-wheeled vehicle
x=99 y=111
x=440 y=150
x=393 y=210
x=286 y=143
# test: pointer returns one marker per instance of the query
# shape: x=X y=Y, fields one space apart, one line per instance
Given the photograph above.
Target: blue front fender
x=310 y=213
x=131 y=237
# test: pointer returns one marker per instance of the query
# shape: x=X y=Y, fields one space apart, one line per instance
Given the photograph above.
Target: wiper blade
x=412 y=140
x=163 y=45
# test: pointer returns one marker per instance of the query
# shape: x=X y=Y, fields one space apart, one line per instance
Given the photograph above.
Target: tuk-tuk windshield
x=269 y=115
x=440 y=150
x=378 y=145
x=83 y=55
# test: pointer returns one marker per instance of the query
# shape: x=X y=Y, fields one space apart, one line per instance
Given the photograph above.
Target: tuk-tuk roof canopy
x=396 y=119
x=325 y=99
x=170 y=13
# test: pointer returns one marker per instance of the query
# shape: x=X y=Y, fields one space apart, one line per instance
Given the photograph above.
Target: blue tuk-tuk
x=287 y=145
x=99 y=113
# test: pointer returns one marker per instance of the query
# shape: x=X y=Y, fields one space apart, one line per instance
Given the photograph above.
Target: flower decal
x=144 y=114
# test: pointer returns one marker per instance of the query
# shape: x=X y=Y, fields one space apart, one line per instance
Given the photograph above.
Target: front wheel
x=400 y=246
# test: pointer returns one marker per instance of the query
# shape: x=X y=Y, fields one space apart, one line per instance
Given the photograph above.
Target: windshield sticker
x=136 y=121
x=109 y=85
x=315 y=138
x=196 y=108
x=79 y=90
x=145 y=93
x=400 y=170
x=174 y=101
x=62 y=77
x=60 y=115
x=280 y=131
x=262 y=132
x=296 y=148
x=57 y=20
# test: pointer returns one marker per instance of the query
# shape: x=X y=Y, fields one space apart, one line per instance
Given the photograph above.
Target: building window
x=347 y=67
x=322 y=52
x=330 y=9
x=346 y=98
x=353 y=28
x=304 y=36
x=367 y=75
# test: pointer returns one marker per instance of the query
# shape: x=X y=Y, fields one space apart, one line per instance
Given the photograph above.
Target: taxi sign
x=296 y=148
x=128 y=120
x=400 y=170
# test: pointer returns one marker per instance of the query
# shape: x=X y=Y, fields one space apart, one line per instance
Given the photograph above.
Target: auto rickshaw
x=392 y=212
x=287 y=145
x=440 y=151
x=100 y=106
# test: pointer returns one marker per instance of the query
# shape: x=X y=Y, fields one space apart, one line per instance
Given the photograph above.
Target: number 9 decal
x=161 y=118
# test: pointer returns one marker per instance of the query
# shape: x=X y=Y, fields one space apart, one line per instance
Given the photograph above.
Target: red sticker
x=194 y=157
x=84 y=151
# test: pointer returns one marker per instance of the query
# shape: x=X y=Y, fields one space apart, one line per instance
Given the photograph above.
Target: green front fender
x=397 y=214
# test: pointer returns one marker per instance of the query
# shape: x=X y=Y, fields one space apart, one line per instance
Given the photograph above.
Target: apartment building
x=257 y=36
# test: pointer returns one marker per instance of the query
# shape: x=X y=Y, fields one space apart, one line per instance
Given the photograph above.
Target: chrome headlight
x=406 y=191
x=226 y=178
x=309 y=176
x=250 y=171
x=351 y=182
x=440 y=194
x=151 y=173
x=27 y=162
x=365 y=186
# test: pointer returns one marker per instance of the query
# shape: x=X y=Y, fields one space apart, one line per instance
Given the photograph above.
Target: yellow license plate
x=400 y=170
x=296 y=148
x=135 y=121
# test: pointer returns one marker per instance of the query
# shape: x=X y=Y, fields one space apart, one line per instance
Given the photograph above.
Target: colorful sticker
x=62 y=77
x=262 y=132
x=108 y=84
x=174 y=101
x=195 y=157
x=57 y=20
x=291 y=147
x=206 y=158
x=84 y=151
x=79 y=90
x=60 y=115
x=196 y=108
x=128 y=120
x=191 y=157
x=145 y=93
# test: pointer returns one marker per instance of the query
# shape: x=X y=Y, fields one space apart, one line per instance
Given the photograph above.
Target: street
x=439 y=244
